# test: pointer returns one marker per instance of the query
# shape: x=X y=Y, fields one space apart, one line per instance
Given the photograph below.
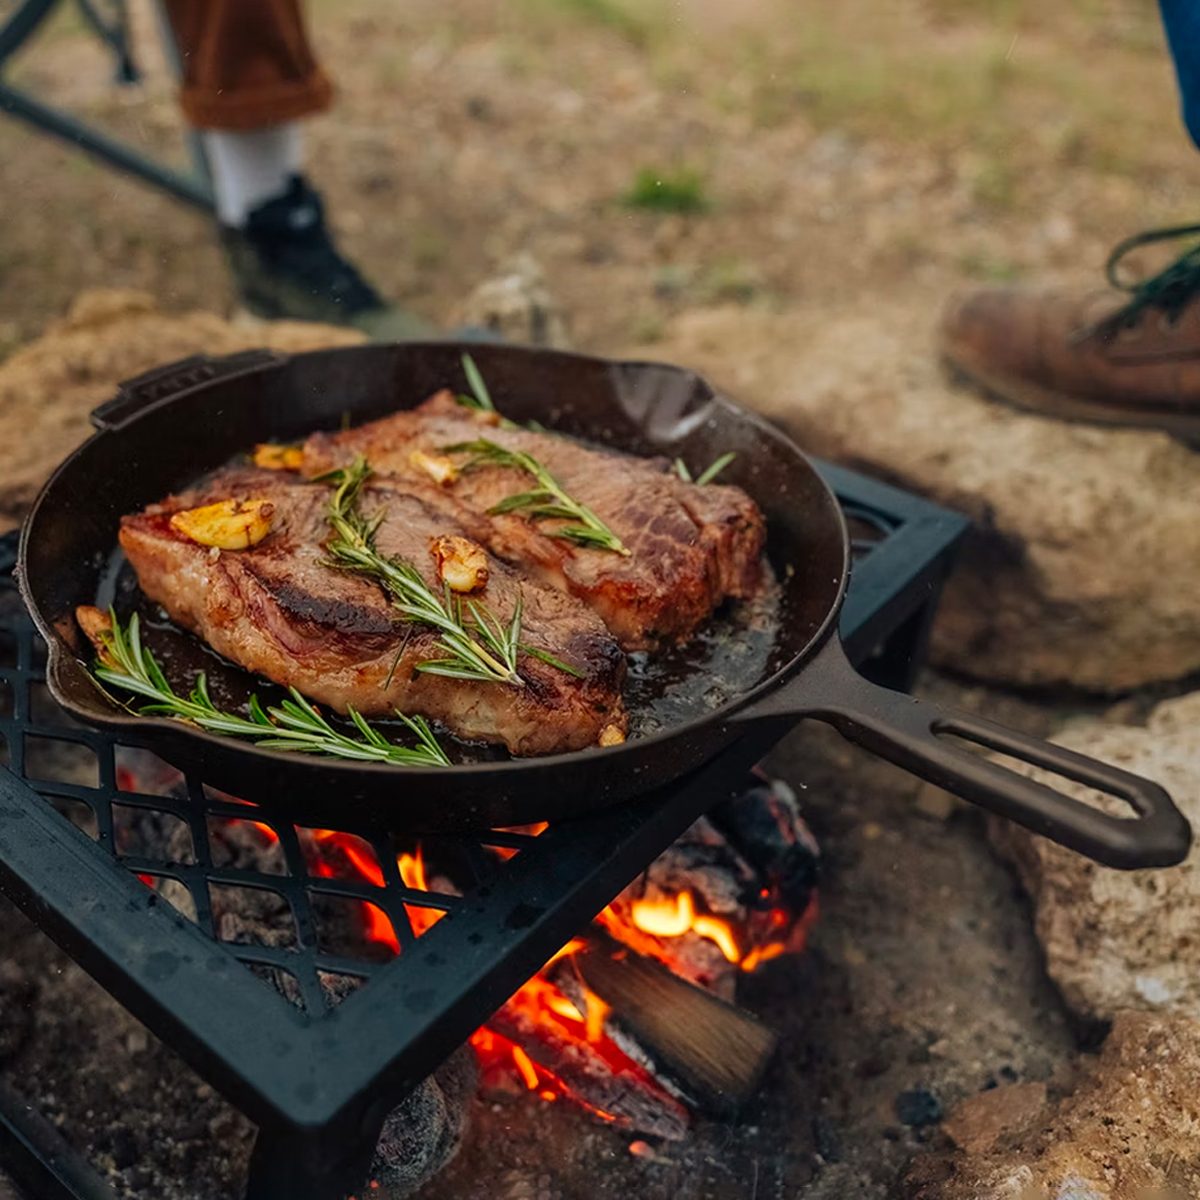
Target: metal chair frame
x=194 y=187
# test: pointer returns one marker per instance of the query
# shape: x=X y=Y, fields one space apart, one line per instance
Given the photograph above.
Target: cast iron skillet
x=163 y=429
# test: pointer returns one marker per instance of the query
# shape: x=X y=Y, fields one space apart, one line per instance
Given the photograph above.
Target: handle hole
x=1112 y=803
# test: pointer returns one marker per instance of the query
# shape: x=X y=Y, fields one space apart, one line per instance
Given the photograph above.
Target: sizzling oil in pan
x=732 y=653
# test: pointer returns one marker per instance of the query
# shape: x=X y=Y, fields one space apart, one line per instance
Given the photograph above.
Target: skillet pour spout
x=164 y=429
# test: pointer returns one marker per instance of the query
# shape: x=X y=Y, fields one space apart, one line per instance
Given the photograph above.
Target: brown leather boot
x=1087 y=356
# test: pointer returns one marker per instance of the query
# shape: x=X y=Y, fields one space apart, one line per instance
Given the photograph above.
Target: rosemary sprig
x=480 y=398
x=548 y=501
x=295 y=724
x=707 y=475
x=482 y=648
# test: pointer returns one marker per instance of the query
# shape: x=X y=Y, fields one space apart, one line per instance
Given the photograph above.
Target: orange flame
x=674 y=918
x=539 y=998
x=357 y=853
x=412 y=872
x=377 y=926
x=762 y=954
x=525 y=1066
x=268 y=833
x=504 y=853
x=597 y=1010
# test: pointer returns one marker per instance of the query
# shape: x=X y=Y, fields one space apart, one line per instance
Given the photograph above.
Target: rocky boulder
x=1121 y=939
x=1082 y=566
x=516 y=305
x=48 y=388
x=1129 y=1129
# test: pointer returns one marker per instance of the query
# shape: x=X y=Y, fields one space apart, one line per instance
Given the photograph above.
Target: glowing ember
x=525 y=1066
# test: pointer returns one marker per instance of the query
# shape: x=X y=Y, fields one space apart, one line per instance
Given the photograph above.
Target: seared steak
x=278 y=610
x=691 y=547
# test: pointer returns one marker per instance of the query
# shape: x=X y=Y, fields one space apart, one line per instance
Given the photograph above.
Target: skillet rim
x=164 y=728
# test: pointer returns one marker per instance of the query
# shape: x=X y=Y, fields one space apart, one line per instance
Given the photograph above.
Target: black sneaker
x=285 y=264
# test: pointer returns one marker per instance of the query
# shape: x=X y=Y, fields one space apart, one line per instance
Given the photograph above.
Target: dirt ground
x=835 y=155
x=830 y=158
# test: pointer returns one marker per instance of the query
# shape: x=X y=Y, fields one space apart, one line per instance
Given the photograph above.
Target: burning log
x=714 y=1053
x=596 y=1075
x=737 y=889
x=765 y=827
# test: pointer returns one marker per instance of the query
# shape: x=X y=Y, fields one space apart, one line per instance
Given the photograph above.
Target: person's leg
x=1129 y=357
x=247 y=64
x=1181 y=18
x=250 y=167
x=249 y=76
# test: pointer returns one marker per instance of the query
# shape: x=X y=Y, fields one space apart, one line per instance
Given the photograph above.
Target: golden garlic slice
x=227 y=524
x=437 y=466
x=274 y=457
x=462 y=564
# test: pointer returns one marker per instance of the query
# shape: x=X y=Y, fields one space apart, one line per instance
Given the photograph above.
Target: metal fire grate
x=318 y=1079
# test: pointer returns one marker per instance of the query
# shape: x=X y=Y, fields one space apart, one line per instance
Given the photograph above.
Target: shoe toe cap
x=993 y=329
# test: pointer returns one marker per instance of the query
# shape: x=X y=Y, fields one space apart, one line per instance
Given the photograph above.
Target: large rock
x=1121 y=939
x=1130 y=1130
x=1082 y=568
x=48 y=388
x=516 y=305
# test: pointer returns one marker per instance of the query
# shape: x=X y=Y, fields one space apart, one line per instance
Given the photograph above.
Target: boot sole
x=1044 y=402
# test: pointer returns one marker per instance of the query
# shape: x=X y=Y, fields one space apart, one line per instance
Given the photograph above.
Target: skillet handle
x=909 y=733
x=165 y=382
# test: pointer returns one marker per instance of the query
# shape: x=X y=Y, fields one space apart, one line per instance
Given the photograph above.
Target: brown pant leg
x=246 y=63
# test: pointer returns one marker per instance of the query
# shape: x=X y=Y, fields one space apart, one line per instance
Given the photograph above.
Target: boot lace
x=1169 y=291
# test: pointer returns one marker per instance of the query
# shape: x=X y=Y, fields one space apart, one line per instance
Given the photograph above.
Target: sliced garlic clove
x=227 y=524
x=274 y=457
x=461 y=563
x=437 y=466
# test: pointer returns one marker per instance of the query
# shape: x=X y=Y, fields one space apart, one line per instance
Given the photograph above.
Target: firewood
x=621 y=1092
x=715 y=1052
x=764 y=826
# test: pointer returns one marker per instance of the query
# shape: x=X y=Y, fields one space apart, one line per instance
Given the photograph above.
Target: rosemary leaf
x=706 y=476
x=295 y=725
x=715 y=469
x=534 y=652
x=480 y=396
x=548 y=500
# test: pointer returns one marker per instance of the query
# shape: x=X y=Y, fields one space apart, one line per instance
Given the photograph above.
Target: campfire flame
x=670 y=917
x=648 y=925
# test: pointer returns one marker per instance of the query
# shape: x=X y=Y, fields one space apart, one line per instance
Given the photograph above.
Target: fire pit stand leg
x=311 y=1166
